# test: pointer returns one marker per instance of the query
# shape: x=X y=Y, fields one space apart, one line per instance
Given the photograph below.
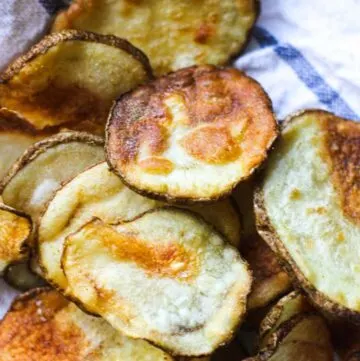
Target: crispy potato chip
x=166 y=276
x=291 y=331
x=41 y=325
x=45 y=165
x=192 y=135
x=22 y=277
x=97 y=192
x=270 y=281
x=16 y=135
x=287 y=307
x=173 y=34
x=308 y=208
x=15 y=230
x=70 y=79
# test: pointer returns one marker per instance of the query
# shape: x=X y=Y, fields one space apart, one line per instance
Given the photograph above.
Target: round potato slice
x=41 y=325
x=45 y=165
x=166 y=276
x=291 y=331
x=15 y=230
x=16 y=135
x=308 y=208
x=173 y=34
x=97 y=192
x=70 y=79
x=192 y=135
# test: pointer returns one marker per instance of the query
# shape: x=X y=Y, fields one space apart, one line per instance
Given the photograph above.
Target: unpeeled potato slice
x=173 y=34
x=70 y=79
x=41 y=325
x=190 y=136
x=15 y=230
x=166 y=276
x=45 y=165
x=97 y=192
x=308 y=208
x=292 y=331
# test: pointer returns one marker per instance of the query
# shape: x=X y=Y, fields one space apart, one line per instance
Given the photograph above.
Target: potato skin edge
x=165 y=197
x=269 y=234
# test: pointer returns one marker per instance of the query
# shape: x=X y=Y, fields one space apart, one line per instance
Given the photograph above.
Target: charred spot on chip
x=192 y=135
x=69 y=80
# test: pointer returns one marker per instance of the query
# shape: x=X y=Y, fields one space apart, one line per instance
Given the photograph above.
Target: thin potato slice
x=192 y=135
x=291 y=331
x=167 y=276
x=70 y=79
x=16 y=135
x=270 y=281
x=15 y=230
x=45 y=165
x=41 y=325
x=97 y=192
x=308 y=208
x=173 y=34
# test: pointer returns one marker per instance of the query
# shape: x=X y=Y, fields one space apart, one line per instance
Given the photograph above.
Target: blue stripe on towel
x=306 y=73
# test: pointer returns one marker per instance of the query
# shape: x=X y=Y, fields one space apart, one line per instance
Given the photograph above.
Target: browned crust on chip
x=89 y=311
x=269 y=234
x=43 y=145
x=24 y=248
x=73 y=13
x=72 y=35
x=180 y=78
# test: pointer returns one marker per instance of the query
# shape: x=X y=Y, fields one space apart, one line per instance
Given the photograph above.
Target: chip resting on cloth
x=308 y=208
x=166 y=276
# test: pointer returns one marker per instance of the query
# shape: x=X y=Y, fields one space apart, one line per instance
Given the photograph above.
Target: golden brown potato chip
x=41 y=325
x=173 y=34
x=308 y=208
x=192 y=135
x=15 y=230
x=97 y=192
x=70 y=79
x=166 y=276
